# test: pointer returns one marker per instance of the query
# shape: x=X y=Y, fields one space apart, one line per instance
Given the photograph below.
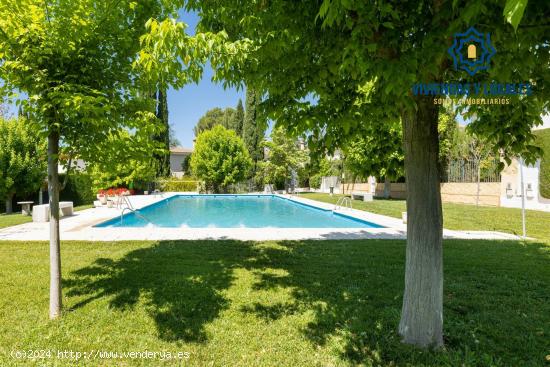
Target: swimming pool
x=235 y=211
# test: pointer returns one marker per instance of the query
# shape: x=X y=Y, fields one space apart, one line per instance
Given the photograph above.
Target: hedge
x=78 y=189
x=176 y=185
x=543 y=141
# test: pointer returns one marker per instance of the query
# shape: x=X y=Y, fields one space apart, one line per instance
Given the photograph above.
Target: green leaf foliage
x=125 y=159
x=173 y=184
x=543 y=141
x=79 y=188
x=513 y=11
x=220 y=159
x=327 y=67
x=75 y=62
x=22 y=158
x=254 y=127
x=323 y=167
x=376 y=153
x=163 y=136
x=283 y=157
x=213 y=117
x=237 y=120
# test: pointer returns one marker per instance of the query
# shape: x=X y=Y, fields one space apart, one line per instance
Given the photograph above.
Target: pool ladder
x=123 y=200
x=342 y=203
x=130 y=208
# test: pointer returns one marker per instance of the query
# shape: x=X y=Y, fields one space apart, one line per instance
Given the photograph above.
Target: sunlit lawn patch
x=299 y=303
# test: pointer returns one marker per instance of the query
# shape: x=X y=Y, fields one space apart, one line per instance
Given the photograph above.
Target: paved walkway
x=80 y=227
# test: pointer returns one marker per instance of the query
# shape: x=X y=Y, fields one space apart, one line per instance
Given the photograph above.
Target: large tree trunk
x=9 y=207
x=422 y=313
x=55 y=256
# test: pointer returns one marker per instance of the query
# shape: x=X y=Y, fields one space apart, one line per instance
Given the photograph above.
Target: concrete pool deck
x=80 y=226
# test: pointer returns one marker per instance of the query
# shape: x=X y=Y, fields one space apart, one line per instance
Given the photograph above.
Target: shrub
x=22 y=159
x=543 y=141
x=220 y=159
x=315 y=181
x=78 y=189
x=176 y=185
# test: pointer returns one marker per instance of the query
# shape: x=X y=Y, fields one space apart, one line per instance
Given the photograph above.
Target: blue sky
x=187 y=105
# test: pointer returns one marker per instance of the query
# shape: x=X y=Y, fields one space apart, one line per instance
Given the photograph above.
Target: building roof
x=181 y=150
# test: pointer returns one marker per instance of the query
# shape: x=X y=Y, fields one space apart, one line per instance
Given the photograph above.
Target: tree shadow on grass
x=497 y=294
x=180 y=282
x=496 y=298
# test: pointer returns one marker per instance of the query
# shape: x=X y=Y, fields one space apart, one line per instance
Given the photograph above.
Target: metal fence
x=464 y=170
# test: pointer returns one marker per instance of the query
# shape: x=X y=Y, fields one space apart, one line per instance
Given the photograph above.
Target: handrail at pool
x=341 y=203
x=136 y=213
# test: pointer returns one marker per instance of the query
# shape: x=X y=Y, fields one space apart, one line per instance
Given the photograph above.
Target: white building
x=511 y=193
x=177 y=156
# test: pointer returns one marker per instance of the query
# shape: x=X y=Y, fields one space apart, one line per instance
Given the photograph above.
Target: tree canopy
x=404 y=44
x=283 y=159
x=327 y=68
x=253 y=127
x=543 y=141
x=213 y=117
x=22 y=160
x=77 y=63
x=237 y=120
x=220 y=159
x=133 y=166
x=377 y=154
x=163 y=136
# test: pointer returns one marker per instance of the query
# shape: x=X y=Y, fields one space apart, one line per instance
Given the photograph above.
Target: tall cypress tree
x=163 y=137
x=238 y=119
x=253 y=128
x=228 y=115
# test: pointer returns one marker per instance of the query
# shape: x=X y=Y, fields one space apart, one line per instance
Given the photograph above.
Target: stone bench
x=41 y=213
x=25 y=207
x=367 y=196
x=66 y=208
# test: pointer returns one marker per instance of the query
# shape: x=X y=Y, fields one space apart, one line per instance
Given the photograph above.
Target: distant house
x=177 y=156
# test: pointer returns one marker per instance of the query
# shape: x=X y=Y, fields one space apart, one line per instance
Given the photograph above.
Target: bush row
x=175 y=185
x=78 y=189
x=543 y=141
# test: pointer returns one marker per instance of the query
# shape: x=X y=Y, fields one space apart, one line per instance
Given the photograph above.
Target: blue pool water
x=235 y=211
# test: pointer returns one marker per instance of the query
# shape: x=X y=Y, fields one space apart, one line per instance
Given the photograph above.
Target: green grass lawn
x=305 y=303
x=8 y=220
x=461 y=216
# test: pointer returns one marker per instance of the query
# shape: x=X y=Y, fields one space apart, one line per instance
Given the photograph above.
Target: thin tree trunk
x=387 y=187
x=422 y=313
x=55 y=256
x=9 y=207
